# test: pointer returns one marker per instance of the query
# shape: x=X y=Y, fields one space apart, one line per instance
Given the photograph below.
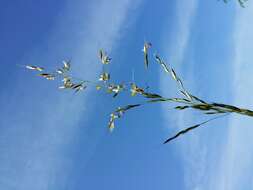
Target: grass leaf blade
x=184 y=131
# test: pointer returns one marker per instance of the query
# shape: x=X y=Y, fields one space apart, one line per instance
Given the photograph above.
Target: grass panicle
x=184 y=101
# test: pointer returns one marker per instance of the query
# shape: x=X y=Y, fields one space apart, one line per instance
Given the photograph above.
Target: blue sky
x=51 y=139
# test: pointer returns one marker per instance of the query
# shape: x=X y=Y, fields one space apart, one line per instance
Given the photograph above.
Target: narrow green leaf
x=184 y=131
x=173 y=74
x=181 y=133
x=151 y=95
x=198 y=99
x=186 y=94
x=181 y=107
x=146 y=46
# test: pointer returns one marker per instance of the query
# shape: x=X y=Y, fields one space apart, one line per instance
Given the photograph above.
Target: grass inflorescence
x=184 y=101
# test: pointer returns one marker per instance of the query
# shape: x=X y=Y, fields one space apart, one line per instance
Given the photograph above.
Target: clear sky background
x=56 y=140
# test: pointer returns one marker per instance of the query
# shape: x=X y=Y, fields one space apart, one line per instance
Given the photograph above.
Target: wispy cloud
x=236 y=166
x=176 y=44
x=184 y=16
x=176 y=51
x=36 y=133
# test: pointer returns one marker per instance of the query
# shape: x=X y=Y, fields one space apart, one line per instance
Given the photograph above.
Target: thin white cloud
x=236 y=165
x=181 y=30
x=36 y=132
x=184 y=16
x=180 y=33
